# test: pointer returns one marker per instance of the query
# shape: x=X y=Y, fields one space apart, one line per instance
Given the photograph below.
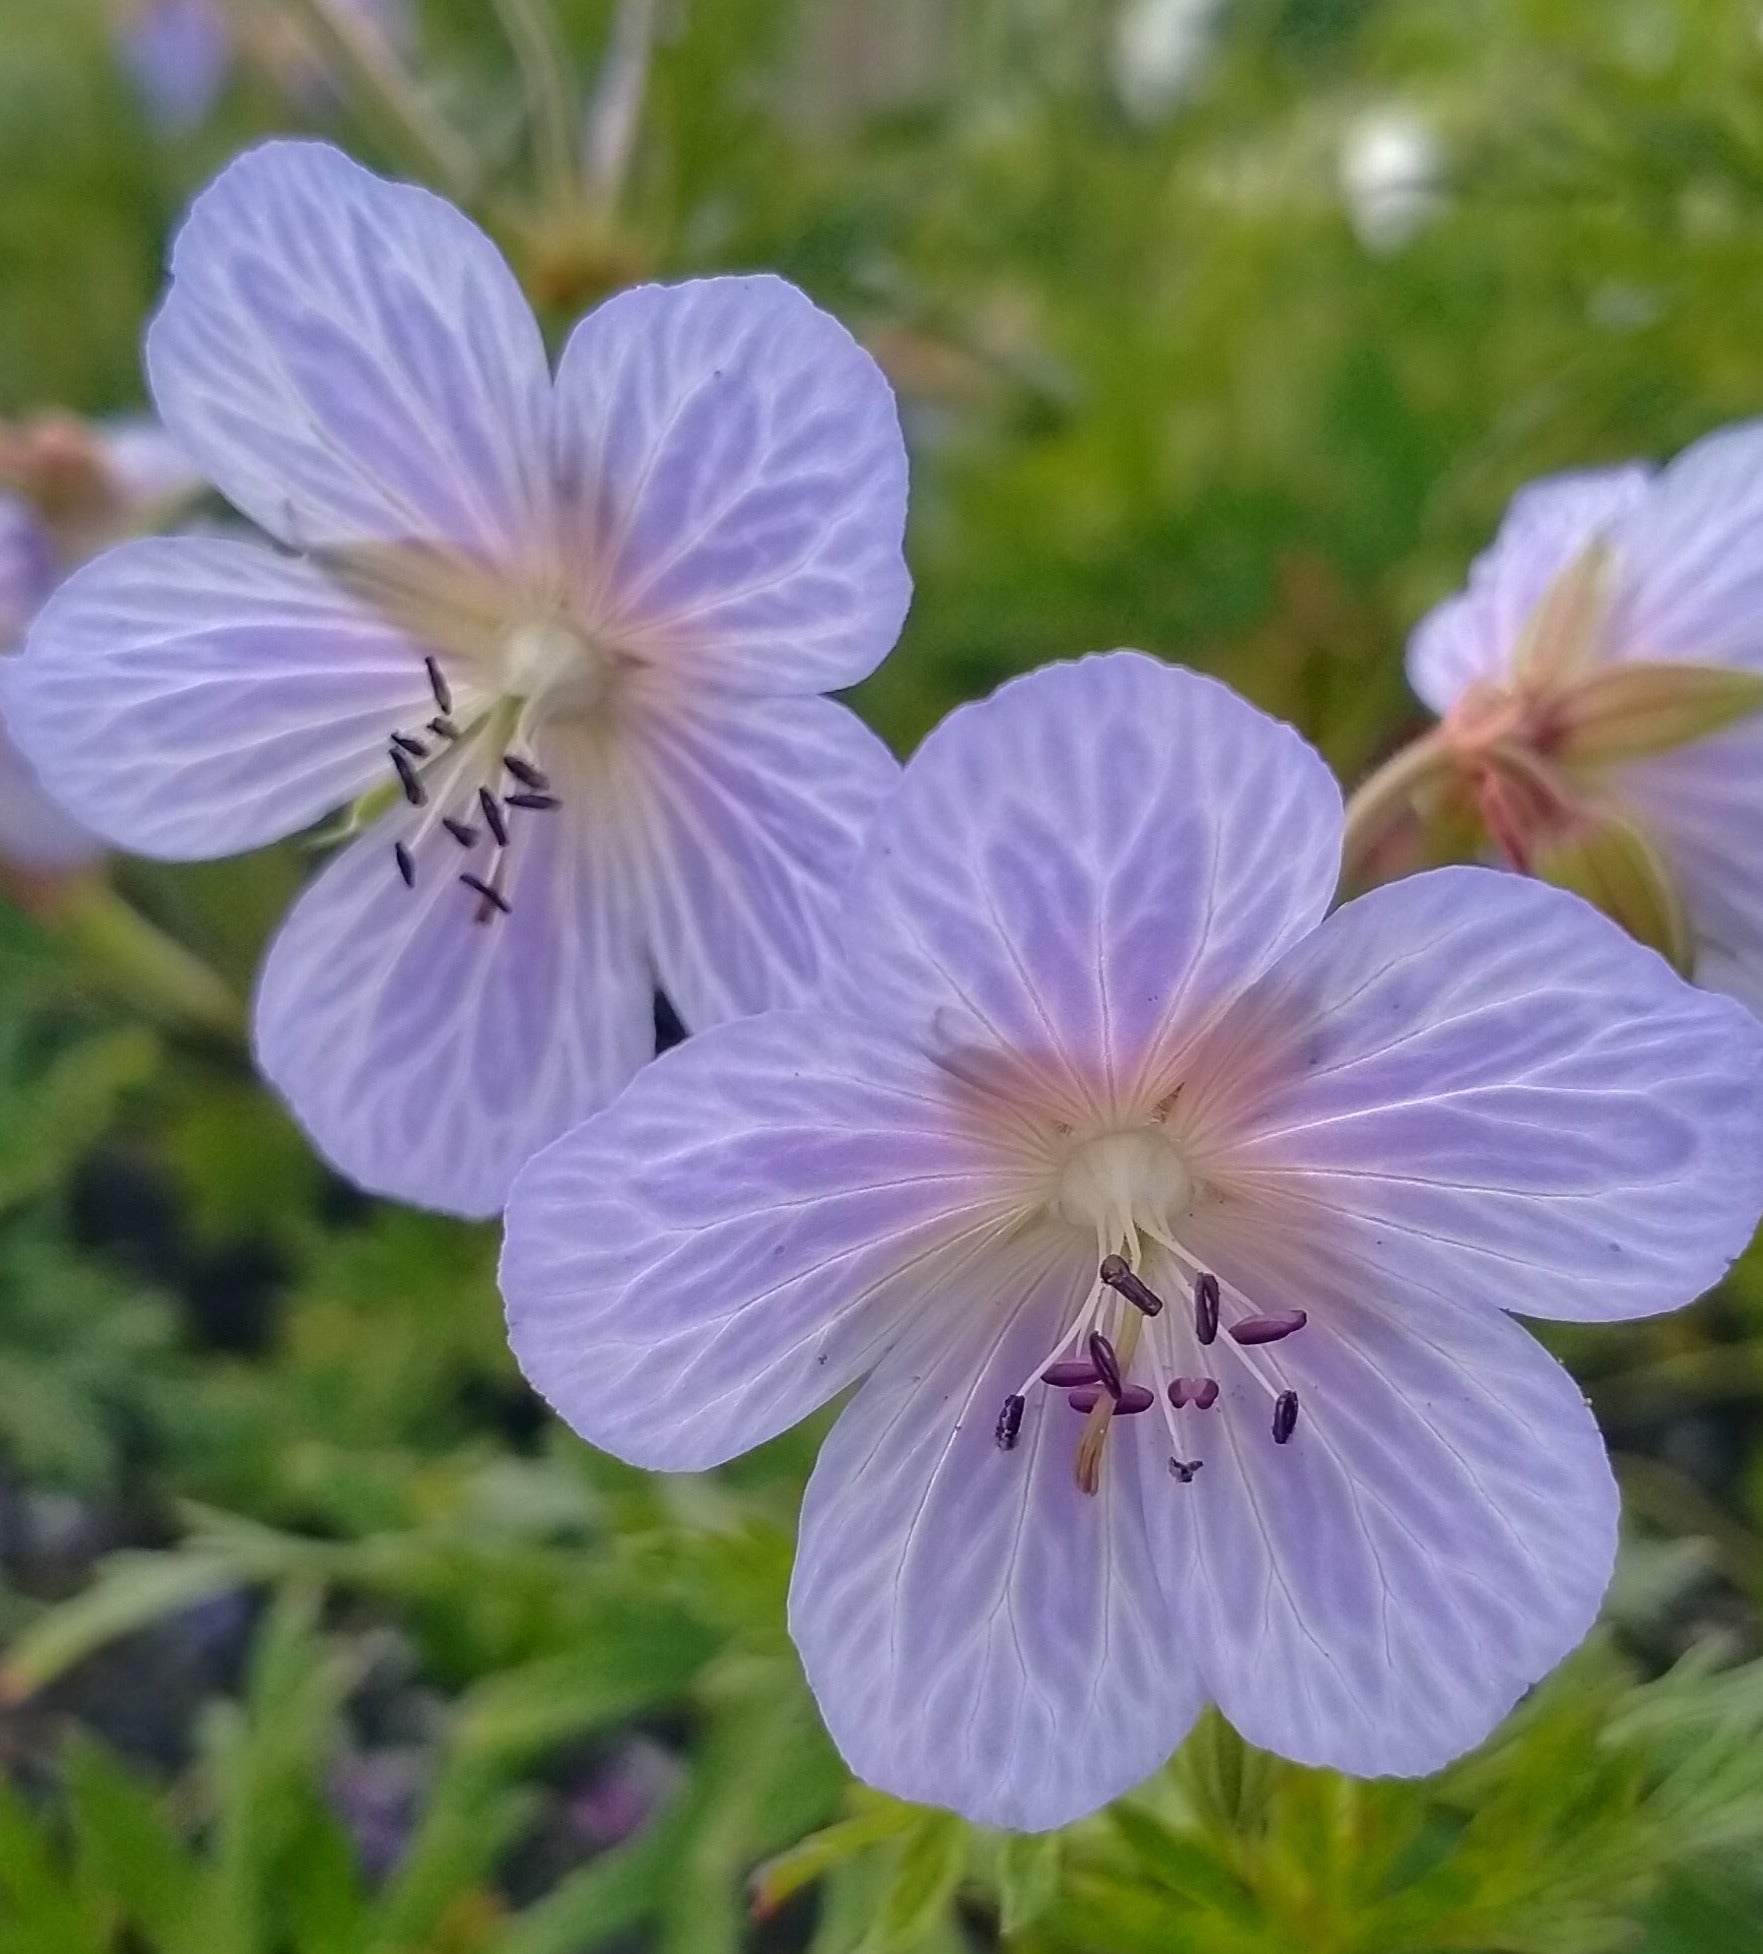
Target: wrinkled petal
x=1692 y=557
x=193 y=696
x=978 y=1633
x=1703 y=808
x=732 y=461
x=351 y=360
x=757 y=809
x=429 y=1056
x=1376 y=1594
x=1474 y=634
x=740 y=1235
x=1085 y=867
x=1476 y=1090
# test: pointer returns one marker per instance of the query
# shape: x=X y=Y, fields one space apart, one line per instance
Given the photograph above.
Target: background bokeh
x=1220 y=329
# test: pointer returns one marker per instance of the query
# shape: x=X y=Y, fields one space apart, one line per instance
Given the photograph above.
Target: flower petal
x=733 y=460
x=1703 y=808
x=739 y=1236
x=758 y=807
x=351 y=360
x=34 y=833
x=1474 y=1089
x=1438 y=1533
x=429 y=1056
x=193 y=696
x=1474 y=634
x=1692 y=556
x=979 y=1634
x=1086 y=866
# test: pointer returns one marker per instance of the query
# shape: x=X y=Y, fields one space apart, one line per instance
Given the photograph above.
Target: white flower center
x=556 y=666
x=1119 y=1183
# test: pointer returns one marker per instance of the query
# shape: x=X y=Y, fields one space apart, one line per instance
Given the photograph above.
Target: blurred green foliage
x=266 y=1470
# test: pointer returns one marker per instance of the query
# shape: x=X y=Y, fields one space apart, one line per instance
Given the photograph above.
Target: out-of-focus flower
x=1159 y=52
x=1174 y=1227
x=1600 y=686
x=1392 y=172
x=179 y=52
x=69 y=488
x=567 y=636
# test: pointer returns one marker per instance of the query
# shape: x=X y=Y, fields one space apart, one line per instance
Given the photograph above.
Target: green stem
x=530 y=28
x=384 y=85
x=1384 y=800
x=618 y=102
x=136 y=960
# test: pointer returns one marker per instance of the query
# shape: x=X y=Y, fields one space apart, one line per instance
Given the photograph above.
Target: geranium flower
x=567 y=635
x=1173 y=1227
x=1600 y=686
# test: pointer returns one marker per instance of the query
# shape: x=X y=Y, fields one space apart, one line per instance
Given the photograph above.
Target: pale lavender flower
x=1601 y=687
x=34 y=833
x=570 y=633
x=1172 y=1224
x=179 y=53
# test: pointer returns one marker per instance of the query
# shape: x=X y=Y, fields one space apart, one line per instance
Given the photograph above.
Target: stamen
x=1119 y=1277
x=1184 y=1469
x=1200 y=1392
x=406 y=866
x=492 y=897
x=1128 y=1400
x=493 y=816
x=438 y=684
x=1009 y=1422
x=406 y=744
x=1205 y=1306
x=1285 y=1416
x=414 y=791
x=443 y=728
x=1106 y=1363
x=461 y=831
x=533 y=800
x=525 y=772
x=1270 y=1328
x=1070 y=1371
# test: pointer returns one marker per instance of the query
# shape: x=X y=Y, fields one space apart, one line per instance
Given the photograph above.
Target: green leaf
x=1028 y=1879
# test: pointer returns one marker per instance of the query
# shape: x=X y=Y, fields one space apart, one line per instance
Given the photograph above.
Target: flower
x=568 y=637
x=1600 y=683
x=178 y=52
x=1172 y=1227
x=72 y=488
x=1391 y=170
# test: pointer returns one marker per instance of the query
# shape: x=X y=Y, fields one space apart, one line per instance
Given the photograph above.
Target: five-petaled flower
x=1172 y=1225
x=1600 y=686
x=568 y=636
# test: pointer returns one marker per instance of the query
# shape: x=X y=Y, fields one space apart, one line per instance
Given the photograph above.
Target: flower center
x=1120 y=1183
x=555 y=666
x=1125 y=1351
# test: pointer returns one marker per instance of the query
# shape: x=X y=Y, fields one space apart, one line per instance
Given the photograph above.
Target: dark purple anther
x=1009 y=1423
x=461 y=831
x=493 y=816
x=1106 y=1363
x=438 y=684
x=406 y=744
x=1285 y=1416
x=1184 y=1469
x=491 y=895
x=1200 y=1392
x=525 y=772
x=1133 y=1398
x=414 y=791
x=406 y=865
x=1270 y=1328
x=443 y=728
x=1205 y=1306
x=538 y=801
x=1070 y=1371
x=1117 y=1274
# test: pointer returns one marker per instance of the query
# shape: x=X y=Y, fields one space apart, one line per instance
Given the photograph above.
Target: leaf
x=932 y=1859
x=1028 y=1879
